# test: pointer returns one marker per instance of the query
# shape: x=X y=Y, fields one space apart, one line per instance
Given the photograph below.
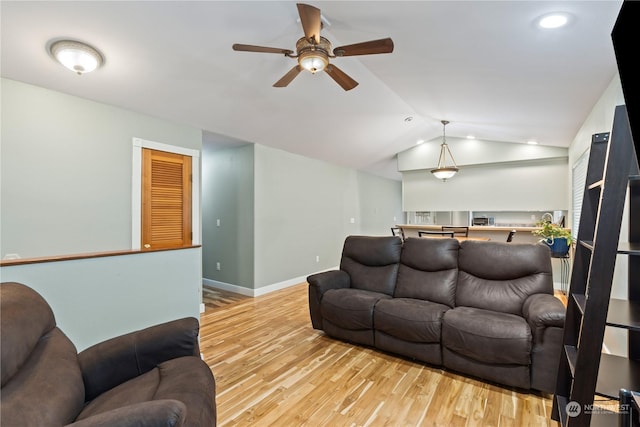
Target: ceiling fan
x=314 y=51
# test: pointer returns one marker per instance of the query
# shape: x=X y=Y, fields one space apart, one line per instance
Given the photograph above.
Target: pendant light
x=443 y=171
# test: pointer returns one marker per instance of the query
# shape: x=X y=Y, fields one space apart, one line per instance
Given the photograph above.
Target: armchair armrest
x=119 y=359
x=320 y=283
x=156 y=413
x=542 y=311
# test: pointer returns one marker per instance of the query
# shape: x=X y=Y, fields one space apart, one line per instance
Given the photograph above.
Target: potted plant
x=557 y=238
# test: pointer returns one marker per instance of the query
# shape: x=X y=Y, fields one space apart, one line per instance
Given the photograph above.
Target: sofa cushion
x=410 y=319
x=372 y=262
x=500 y=276
x=428 y=270
x=350 y=308
x=185 y=379
x=487 y=336
x=26 y=317
x=48 y=388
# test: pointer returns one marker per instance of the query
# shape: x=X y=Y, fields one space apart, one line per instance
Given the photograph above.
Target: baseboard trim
x=263 y=290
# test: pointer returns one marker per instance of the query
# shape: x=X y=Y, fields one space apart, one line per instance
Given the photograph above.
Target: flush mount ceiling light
x=443 y=171
x=553 y=20
x=76 y=56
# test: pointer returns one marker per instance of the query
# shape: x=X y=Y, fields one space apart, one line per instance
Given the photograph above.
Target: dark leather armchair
x=151 y=377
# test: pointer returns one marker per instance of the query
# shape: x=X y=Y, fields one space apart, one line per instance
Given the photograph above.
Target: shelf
x=629 y=248
x=617 y=372
x=624 y=314
x=572 y=355
x=596 y=184
x=581 y=302
x=562 y=402
x=587 y=244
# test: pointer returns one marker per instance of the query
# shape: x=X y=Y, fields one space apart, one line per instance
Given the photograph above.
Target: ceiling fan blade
x=311 y=22
x=287 y=78
x=365 y=48
x=262 y=49
x=340 y=77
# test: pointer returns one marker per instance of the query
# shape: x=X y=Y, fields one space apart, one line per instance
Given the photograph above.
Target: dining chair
x=457 y=230
x=510 y=235
x=398 y=231
x=423 y=233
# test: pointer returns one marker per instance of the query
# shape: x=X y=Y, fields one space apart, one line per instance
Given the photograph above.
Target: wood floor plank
x=273 y=369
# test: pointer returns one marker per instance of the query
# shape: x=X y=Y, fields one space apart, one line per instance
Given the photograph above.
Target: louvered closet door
x=166 y=200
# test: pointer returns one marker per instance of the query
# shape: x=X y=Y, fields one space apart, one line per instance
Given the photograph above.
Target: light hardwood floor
x=273 y=369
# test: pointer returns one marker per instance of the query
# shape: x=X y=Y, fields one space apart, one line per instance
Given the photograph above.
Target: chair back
x=424 y=233
x=457 y=230
x=397 y=231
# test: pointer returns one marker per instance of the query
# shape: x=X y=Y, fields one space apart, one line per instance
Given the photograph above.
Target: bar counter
x=494 y=233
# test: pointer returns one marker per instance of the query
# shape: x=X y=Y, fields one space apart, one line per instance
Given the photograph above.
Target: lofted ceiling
x=482 y=65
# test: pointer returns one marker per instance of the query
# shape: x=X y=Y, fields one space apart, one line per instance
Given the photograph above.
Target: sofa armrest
x=542 y=311
x=157 y=413
x=119 y=359
x=320 y=283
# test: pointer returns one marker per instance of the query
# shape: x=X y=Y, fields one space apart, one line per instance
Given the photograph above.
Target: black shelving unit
x=584 y=371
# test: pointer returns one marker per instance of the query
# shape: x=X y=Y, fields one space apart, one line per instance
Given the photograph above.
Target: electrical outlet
x=353 y=221
x=218 y=222
x=317 y=258
x=218 y=266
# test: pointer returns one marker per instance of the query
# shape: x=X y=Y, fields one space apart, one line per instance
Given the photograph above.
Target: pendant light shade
x=442 y=171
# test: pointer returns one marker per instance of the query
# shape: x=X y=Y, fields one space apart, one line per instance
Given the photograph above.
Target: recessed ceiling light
x=553 y=20
x=420 y=141
x=471 y=137
x=408 y=119
x=532 y=142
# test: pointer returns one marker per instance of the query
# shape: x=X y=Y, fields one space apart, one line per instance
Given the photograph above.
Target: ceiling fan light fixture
x=76 y=56
x=442 y=171
x=313 y=61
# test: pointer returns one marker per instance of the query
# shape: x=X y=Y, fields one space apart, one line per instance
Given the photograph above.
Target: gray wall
x=66 y=170
x=493 y=176
x=66 y=187
x=302 y=211
x=98 y=298
x=228 y=196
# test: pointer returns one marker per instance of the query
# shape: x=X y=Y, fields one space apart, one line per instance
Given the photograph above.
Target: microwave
x=484 y=220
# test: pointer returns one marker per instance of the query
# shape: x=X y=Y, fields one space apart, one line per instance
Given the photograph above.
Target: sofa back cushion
x=428 y=270
x=372 y=262
x=500 y=276
x=41 y=379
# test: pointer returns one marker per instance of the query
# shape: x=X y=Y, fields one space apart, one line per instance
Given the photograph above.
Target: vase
x=559 y=246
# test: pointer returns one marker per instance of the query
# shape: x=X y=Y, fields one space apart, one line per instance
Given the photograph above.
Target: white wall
x=66 y=170
x=66 y=188
x=98 y=298
x=493 y=176
x=527 y=186
x=303 y=212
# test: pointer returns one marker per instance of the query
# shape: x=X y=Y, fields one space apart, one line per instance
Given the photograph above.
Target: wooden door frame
x=136 y=188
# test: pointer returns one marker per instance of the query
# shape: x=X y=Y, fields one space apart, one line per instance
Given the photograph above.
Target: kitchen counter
x=494 y=233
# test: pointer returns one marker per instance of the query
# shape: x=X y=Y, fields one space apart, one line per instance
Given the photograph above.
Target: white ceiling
x=483 y=65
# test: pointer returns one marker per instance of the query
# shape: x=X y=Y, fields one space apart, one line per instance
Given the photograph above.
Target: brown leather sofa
x=485 y=309
x=152 y=377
